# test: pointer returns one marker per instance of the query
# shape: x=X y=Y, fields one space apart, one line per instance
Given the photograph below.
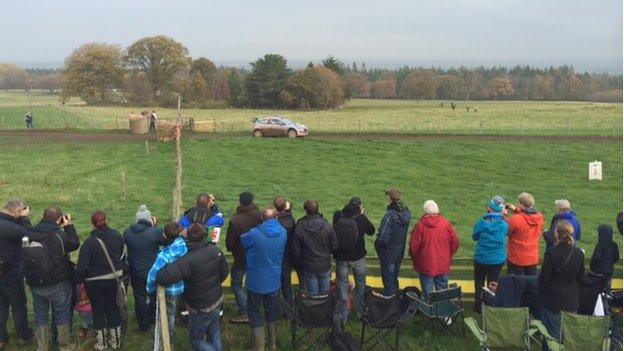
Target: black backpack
x=38 y=262
x=347 y=232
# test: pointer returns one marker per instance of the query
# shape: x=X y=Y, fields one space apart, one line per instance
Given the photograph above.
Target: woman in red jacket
x=525 y=230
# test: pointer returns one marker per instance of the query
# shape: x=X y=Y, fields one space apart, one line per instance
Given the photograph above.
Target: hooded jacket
x=364 y=226
x=558 y=287
x=525 y=230
x=59 y=246
x=92 y=261
x=12 y=230
x=143 y=242
x=392 y=234
x=246 y=217
x=209 y=217
x=606 y=253
x=285 y=218
x=432 y=245
x=313 y=243
x=264 y=251
x=490 y=233
x=558 y=217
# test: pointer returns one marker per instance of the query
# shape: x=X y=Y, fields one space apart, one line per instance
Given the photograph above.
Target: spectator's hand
x=154 y=221
x=511 y=207
x=287 y=206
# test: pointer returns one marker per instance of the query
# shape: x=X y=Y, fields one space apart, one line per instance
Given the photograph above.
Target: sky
x=425 y=32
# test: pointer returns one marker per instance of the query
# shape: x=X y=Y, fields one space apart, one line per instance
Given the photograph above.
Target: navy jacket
x=567 y=216
x=143 y=242
x=264 y=251
x=606 y=253
x=12 y=230
x=390 y=242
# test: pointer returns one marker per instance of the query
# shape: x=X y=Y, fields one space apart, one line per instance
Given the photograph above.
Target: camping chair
x=384 y=315
x=311 y=319
x=444 y=307
x=503 y=328
x=580 y=333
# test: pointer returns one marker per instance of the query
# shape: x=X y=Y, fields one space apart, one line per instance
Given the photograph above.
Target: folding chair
x=384 y=315
x=311 y=319
x=503 y=328
x=442 y=307
x=580 y=333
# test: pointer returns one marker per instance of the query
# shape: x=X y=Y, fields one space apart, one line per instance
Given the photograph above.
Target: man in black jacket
x=14 y=225
x=285 y=217
x=203 y=269
x=58 y=235
x=312 y=246
x=350 y=225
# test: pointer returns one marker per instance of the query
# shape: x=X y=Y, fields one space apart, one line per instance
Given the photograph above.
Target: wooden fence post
x=569 y=126
x=147 y=149
x=521 y=127
x=123 y=185
x=613 y=126
x=164 y=322
x=480 y=127
x=360 y=124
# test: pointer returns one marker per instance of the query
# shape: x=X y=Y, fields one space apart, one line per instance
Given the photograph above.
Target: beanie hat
x=143 y=214
x=496 y=204
x=245 y=198
x=563 y=204
x=430 y=207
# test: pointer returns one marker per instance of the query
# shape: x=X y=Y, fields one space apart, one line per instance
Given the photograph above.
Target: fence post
x=429 y=127
x=147 y=150
x=360 y=124
x=521 y=127
x=569 y=126
x=123 y=185
x=613 y=126
x=398 y=126
x=321 y=123
x=116 y=122
x=480 y=127
x=164 y=323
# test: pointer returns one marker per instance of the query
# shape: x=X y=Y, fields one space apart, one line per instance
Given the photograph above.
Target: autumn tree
x=221 y=85
x=202 y=76
x=448 y=87
x=419 y=85
x=137 y=88
x=92 y=71
x=266 y=81
x=383 y=89
x=313 y=88
x=12 y=77
x=358 y=84
x=499 y=86
x=49 y=83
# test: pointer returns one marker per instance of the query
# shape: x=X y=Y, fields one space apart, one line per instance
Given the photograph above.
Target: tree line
x=155 y=70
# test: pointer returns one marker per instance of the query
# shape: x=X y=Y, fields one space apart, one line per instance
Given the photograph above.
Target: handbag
x=122 y=297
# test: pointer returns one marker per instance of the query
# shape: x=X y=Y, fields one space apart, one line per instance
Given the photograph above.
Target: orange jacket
x=525 y=230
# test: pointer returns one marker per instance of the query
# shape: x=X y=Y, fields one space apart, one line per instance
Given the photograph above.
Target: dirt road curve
x=87 y=137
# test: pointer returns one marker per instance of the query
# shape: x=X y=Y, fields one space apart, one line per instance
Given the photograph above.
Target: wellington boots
x=257 y=336
x=100 y=340
x=43 y=338
x=272 y=336
x=64 y=338
x=114 y=340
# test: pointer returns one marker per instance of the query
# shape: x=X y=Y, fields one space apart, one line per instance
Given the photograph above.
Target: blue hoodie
x=562 y=216
x=490 y=233
x=264 y=251
x=390 y=242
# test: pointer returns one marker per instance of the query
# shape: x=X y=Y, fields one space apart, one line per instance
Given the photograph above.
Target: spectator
x=285 y=218
x=203 y=270
x=29 y=120
x=490 y=233
x=14 y=225
x=205 y=212
x=247 y=216
x=264 y=251
x=563 y=213
x=153 y=120
x=525 y=229
x=390 y=242
x=350 y=226
x=143 y=240
x=558 y=281
x=313 y=244
x=100 y=283
x=175 y=247
x=432 y=245
x=58 y=236
x=84 y=309
x=606 y=253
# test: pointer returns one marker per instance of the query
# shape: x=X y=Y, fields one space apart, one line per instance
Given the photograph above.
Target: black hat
x=245 y=198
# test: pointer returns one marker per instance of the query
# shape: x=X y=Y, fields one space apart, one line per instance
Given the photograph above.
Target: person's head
x=394 y=195
x=98 y=219
x=53 y=214
x=195 y=233
x=311 y=207
x=430 y=208
x=280 y=203
x=245 y=198
x=496 y=204
x=172 y=231
x=269 y=213
x=526 y=200
x=564 y=232
x=563 y=205
x=14 y=207
x=605 y=233
x=143 y=215
x=203 y=200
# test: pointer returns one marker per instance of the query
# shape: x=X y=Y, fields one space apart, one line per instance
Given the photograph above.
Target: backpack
x=38 y=262
x=343 y=342
x=347 y=232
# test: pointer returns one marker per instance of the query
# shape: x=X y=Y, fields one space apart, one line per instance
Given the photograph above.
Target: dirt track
x=87 y=137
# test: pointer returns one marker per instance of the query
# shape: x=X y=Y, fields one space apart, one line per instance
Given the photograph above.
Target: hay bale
x=139 y=124
x=205 y=126
x=165 y=131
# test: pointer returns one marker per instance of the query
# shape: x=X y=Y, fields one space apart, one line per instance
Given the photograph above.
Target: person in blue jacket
x=264 y=251
x=564 y=212
x=490 y=233
x=205 y=212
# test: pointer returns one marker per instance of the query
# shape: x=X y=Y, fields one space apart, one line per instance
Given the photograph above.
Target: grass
x=358 y=115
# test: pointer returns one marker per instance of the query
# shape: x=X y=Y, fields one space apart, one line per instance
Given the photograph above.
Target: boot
x=257 y=336
x=273 y=336
x=64 y=338
x=43 y=336
x=115 y=338
x=100 y=339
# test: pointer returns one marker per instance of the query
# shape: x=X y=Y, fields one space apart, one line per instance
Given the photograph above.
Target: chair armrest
x=538 y=326
x=474 y=328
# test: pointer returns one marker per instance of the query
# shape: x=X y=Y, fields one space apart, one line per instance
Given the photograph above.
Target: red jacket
x=432 y=245
x=525 y=231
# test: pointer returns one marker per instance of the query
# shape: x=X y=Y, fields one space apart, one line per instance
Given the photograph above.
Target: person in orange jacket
x=526 y=225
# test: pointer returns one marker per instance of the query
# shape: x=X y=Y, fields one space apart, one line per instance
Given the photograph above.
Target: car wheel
x=292 y=133
x=257 y=133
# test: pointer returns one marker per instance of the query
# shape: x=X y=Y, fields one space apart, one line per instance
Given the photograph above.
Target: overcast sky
x=410 y=30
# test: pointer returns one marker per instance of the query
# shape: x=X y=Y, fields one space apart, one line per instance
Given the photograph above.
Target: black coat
x=143 y=242
x=313 y=244
x=92 y=260
x=12 y=230
x=246 y=218
x=287 y=221
x=364 y=227
x=203 y=269
x=558 y=284
x=60 y=249
x=606 y=254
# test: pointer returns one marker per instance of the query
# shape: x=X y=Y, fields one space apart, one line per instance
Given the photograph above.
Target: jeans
x=432 y=283
x=272 y=309
x=12 y=294
x=86 y=319
x=552 y=322
x=145 y=312
x=521 y=270
x=204 y=332
x=240 y=295
x=58 y=297
x=103 y=297
x=491 y=272
x=317 y=283
x=390 y=275
x=287 y=292
x=359 y=274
